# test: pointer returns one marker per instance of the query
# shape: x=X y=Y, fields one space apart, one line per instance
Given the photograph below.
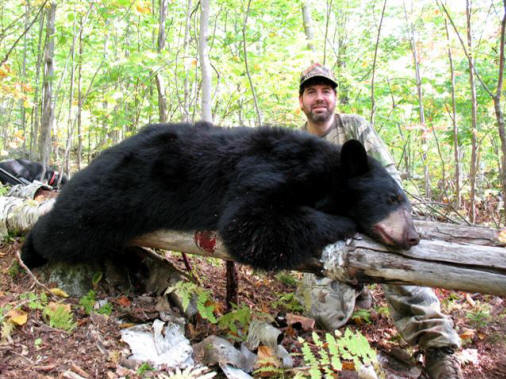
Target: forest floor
x=31 y=348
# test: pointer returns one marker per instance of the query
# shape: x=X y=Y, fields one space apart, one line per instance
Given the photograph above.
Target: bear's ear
x=354 y=158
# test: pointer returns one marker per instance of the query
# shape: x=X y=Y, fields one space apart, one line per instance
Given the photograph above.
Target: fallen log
x=457 y=257
x=472 y=268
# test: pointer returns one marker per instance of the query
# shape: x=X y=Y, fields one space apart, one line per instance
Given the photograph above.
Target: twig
x=24 y=32
x=426 y=204
x=29 y=272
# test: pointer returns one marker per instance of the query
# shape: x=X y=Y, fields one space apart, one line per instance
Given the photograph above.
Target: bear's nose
x=413 y=241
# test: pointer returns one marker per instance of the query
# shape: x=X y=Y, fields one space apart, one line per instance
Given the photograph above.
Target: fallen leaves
x=502 y=236
x=17 y=316
x=59 y=292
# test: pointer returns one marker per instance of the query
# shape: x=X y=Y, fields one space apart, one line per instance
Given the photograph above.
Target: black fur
x=30 y=171
x=276 y=196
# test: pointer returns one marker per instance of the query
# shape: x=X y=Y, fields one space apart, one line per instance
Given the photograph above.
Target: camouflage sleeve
x=358 y=128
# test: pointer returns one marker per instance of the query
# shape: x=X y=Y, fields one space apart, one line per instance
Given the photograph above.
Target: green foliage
x=205 y=309
x=59 y=316
x=88 y=303
x=35 y=301
x=3 y=189
x=188 y=291
x=327 y=356
x=479 y=318
x=37 y=342
x=362 y=314
x=383 y=311
x=273 y=372
x=119 y=60
x=144 y=368
x=288 y=302
x=97 y=277
x=287 y=279
x=3 y=312
x=236 y=322
x=14 y=269
x=105 y=309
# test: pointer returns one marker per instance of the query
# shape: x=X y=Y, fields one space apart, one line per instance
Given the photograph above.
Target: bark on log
x=444 y=264
x=449 y=256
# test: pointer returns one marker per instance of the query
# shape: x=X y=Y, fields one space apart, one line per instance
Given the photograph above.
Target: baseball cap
x=316 y=70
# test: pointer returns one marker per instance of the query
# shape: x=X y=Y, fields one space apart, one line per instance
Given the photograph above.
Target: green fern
x=237 y=322
x=289 y=302
x=327 y=359
x=310 y=360
x=335 y=359
x=88 y=301
x=186 y=291
x=206 y=311
x=324 y=356
x=59 y=317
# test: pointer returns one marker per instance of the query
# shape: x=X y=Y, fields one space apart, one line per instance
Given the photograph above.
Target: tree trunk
x=34 y=132
x=472 y=85
x=245 y=52
x=80 y=93
x=307 y=22
x=456 y=142
x=162 y=99
x=498 y=108
x=70 y=121
x=23 y=74
x=47 y=90
x=327 y=21
x=421 y=112
x=373 y=104
x=205 y=66
x=186 y=63
x=495 y=97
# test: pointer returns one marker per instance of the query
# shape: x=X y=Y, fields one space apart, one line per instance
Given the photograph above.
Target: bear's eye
x=394 y=199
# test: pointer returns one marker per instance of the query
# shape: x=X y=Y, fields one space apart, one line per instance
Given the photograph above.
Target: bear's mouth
x=384 y=236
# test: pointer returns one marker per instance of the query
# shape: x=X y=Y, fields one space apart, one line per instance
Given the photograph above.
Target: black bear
x=276 y=196
x=24 y=171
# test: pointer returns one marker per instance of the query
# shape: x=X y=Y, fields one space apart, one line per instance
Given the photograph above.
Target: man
x=415 y=310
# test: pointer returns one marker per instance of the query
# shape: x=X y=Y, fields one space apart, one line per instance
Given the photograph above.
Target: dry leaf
x=54 y=306
x=467 y=334
x=17 y=316
x=502 y=236
x=126 y=325
x=123 y=301
x=470 y=300
x=59 y=292
x=305 y=322
x=267 y=358
x=348 y=365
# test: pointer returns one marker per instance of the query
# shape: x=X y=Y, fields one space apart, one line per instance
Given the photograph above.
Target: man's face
x=318 y=102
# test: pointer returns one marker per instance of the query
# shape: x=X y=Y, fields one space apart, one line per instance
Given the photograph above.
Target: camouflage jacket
x=350 y=126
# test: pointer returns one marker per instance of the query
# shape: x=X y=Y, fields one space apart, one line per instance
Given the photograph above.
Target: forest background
x=79 y=76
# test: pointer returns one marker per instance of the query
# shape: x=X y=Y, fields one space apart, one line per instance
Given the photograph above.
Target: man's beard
x=320 y=116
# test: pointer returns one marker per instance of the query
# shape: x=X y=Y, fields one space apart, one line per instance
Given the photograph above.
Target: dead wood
x=468 y=258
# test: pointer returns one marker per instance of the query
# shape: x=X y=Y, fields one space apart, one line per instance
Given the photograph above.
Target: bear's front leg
x=277 y=237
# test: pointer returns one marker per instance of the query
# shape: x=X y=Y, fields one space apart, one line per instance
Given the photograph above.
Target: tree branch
x=24 y=32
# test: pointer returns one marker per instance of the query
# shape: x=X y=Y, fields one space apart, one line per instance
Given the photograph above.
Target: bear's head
x=376 y=202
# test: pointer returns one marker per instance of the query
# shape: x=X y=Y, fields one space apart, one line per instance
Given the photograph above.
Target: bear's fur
x=276 y=196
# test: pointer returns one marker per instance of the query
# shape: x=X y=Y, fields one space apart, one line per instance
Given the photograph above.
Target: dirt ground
x=30 y=348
